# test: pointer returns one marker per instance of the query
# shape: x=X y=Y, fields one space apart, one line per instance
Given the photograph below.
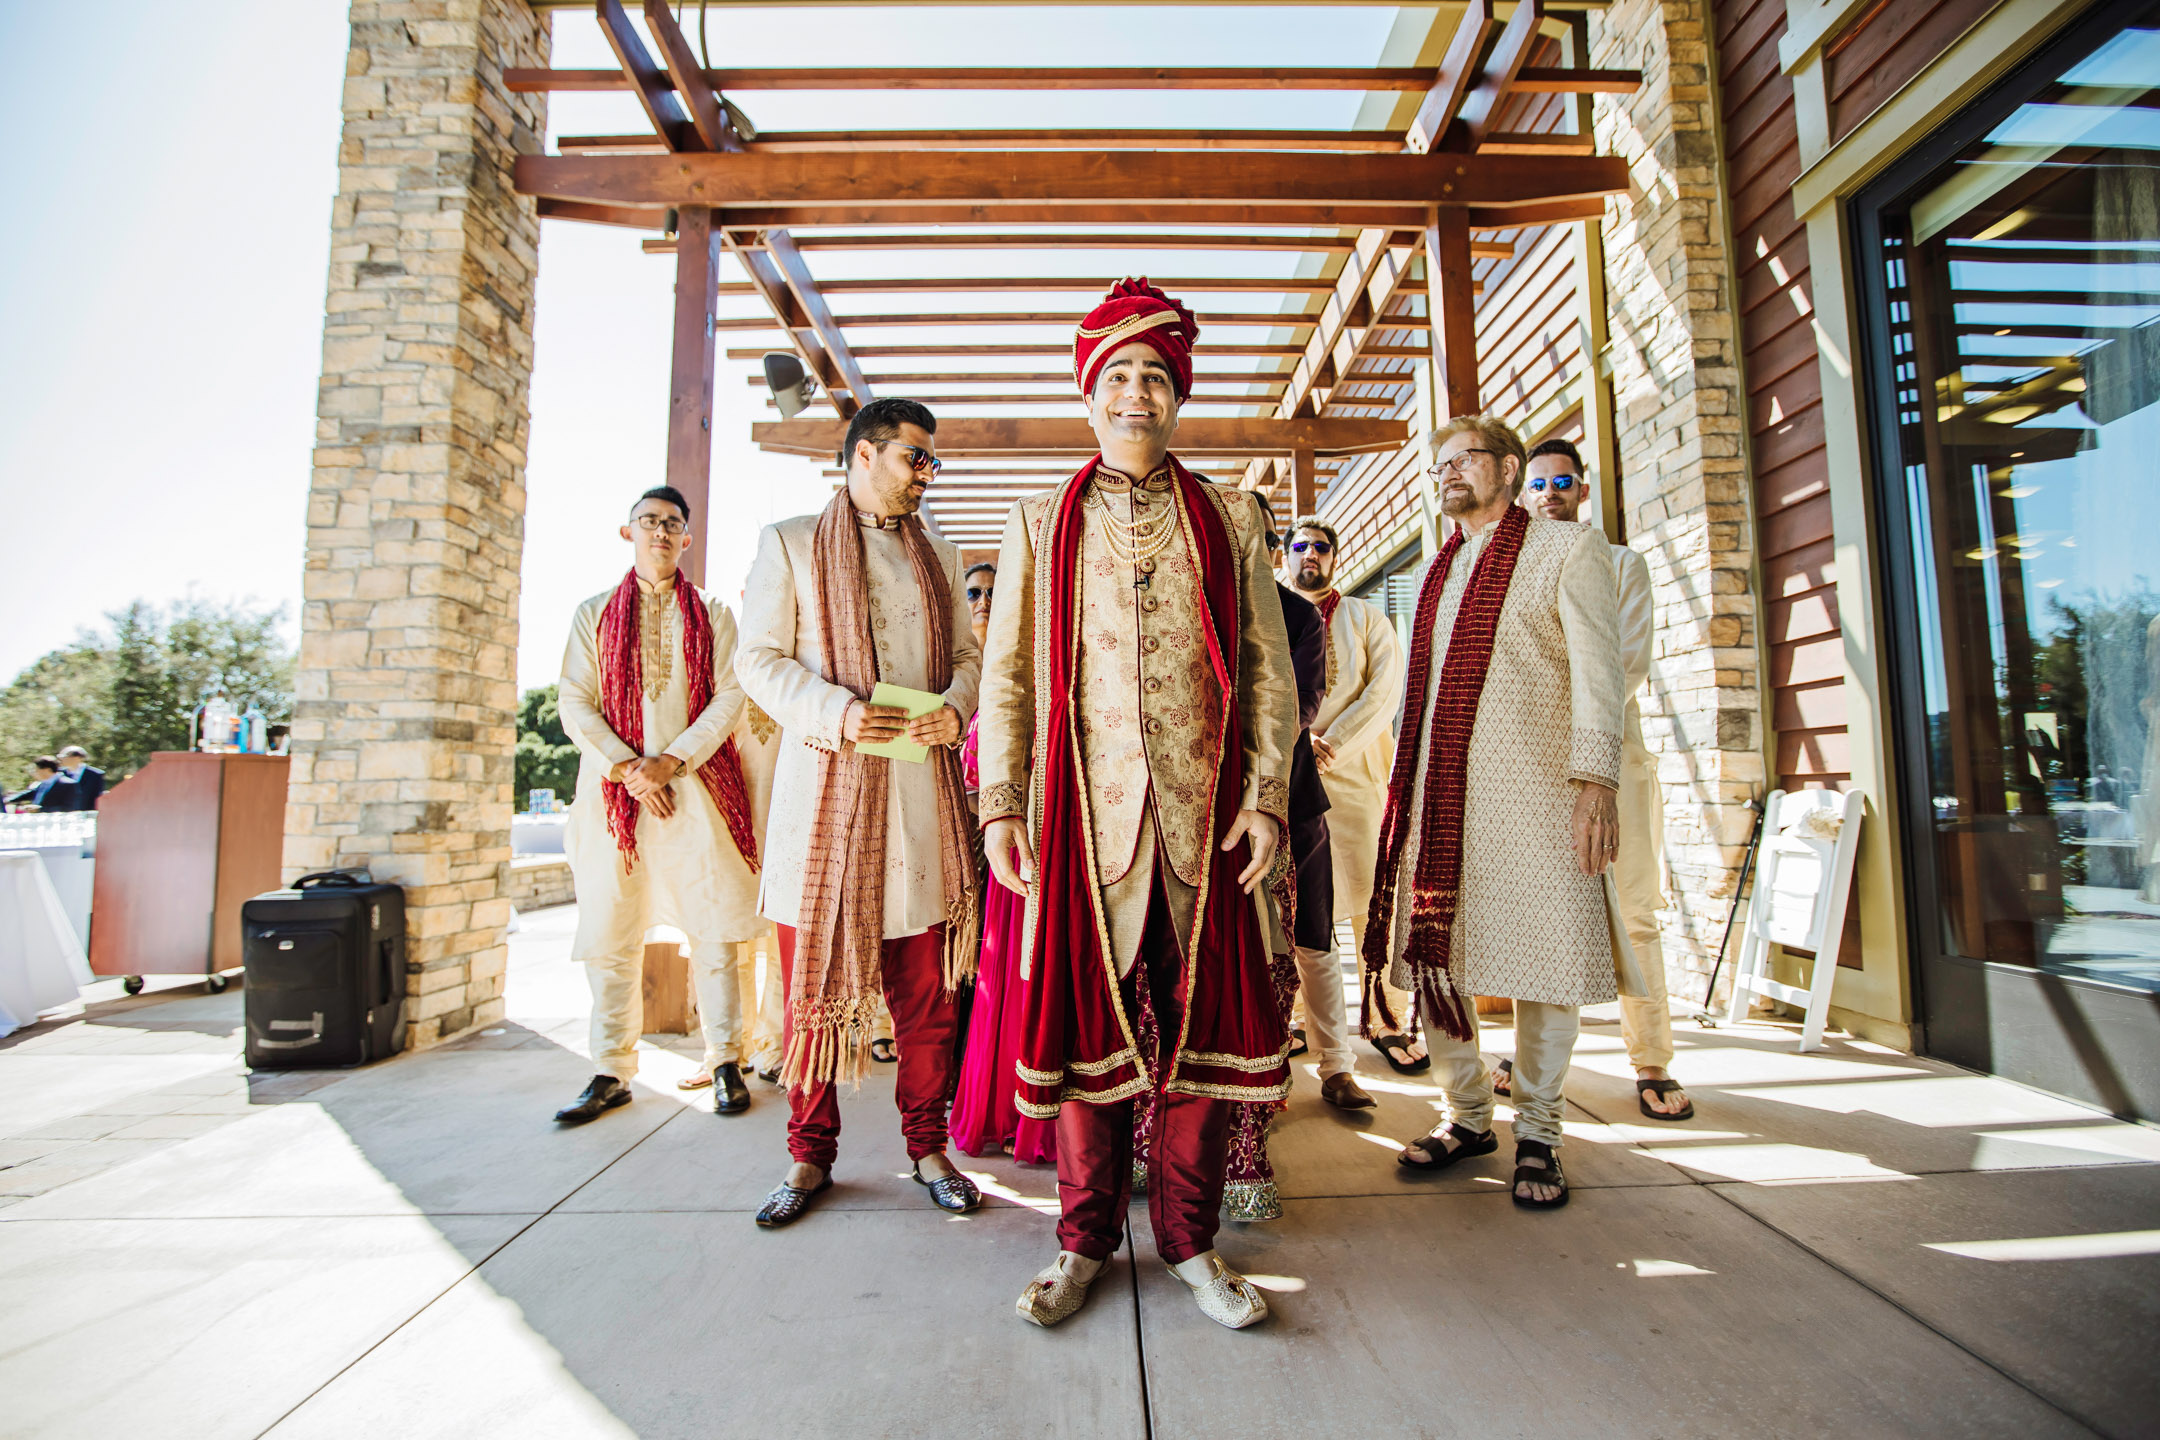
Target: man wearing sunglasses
x=871 y=879
x=1353 y=744
x=1556 y=490
x=663 y=831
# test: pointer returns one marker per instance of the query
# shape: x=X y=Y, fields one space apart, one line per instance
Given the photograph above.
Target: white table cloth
x=42 y=964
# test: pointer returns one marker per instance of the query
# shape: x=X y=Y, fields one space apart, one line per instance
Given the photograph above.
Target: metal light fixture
x=792 y=387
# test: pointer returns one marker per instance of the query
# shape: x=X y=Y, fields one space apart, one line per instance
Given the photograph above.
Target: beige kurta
x=688 y=873
x=781 y=664
x=1357 y=716
x=1530 y=925
x=1148 y=700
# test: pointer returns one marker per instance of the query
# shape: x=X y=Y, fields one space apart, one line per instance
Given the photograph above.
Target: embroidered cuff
x=1271 y=796
x=1594 y=756
x=1005 y=800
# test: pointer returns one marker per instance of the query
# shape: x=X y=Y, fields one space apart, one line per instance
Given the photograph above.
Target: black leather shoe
x=954 y=1192
x=604 y=1094
x=787 y=1204
x=729 y=1095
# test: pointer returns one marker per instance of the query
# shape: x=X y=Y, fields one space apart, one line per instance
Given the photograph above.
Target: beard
x=1309 y=579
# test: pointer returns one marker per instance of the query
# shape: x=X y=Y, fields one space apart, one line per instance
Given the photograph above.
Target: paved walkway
x=1852 y=1242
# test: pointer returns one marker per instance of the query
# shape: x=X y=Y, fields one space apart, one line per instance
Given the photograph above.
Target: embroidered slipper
x=1387 y=1045
x=1503 y=1080
x=1473 y=1143
x=1661 y=1089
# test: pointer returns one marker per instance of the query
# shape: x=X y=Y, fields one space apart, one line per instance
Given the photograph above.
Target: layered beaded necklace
x=1142 y=537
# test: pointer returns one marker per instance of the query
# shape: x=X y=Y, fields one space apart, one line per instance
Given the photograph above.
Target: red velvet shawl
x=622 y=686
x=1077 y=1042
x=1436 y=888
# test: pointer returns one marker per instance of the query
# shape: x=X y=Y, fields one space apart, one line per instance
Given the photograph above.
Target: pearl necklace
x=1143 y=539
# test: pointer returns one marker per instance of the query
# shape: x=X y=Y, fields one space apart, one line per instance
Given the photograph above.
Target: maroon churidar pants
x=1191 y=1146
x=926 y=1022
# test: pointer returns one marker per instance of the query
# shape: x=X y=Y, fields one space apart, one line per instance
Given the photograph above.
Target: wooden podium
x=180 y=844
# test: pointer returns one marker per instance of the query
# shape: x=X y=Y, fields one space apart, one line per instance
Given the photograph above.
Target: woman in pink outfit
x=984 y=1119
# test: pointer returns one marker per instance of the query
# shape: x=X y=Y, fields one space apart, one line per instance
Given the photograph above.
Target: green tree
x=546 y=760
x=130 y=691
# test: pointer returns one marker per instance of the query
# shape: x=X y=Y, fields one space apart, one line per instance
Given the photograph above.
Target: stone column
x=406 y=713
x=1674 y=352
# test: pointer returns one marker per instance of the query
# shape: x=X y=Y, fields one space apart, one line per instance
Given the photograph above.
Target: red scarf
x=1077 y=1042
x=1436 y=887
x=1326 y=605
x=622 y=697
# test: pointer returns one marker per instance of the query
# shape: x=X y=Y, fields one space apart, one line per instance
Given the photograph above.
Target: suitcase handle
x=313 y=1026
x=348 y=878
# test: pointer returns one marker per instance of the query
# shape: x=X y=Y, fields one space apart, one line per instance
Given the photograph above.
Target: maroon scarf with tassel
x=1436 y=887
x=622 y=697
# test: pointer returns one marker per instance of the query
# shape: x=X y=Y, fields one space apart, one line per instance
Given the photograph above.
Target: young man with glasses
x=871 y=877
x=1556 y=490
x=1501 y=814
x=662 y=831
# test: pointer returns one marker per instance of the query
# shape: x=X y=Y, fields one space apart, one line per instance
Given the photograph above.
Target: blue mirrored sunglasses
x=1562 y=483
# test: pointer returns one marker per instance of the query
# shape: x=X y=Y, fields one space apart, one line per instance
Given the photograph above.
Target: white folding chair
x=1801 y=883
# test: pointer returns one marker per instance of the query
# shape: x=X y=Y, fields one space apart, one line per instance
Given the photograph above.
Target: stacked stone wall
x=1674 y=354
x=406 y=711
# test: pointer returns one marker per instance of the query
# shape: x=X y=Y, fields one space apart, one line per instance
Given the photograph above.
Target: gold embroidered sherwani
x=1148 y=698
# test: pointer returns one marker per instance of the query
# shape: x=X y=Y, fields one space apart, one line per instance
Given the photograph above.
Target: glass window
x=2019 y=323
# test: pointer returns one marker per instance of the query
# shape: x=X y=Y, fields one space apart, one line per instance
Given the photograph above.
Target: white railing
x=43 y=832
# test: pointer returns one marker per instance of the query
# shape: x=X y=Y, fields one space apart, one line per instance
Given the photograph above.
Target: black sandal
x=1661 y=1089
x=1387 y=1045
x=1547 y=1174
x=1473 y=1143
x=1503 y=1080
x=885 y=1055
x=1297 y=1044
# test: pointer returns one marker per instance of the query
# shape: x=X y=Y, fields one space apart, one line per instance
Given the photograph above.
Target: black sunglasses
x=919 y=459
x=978 y=592
x=1560 y=483
x=1318 y=547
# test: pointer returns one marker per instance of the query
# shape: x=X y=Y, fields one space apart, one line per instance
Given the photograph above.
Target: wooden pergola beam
x=1012 y=438
x=1046 y=284
x=714 y=130
x=940 y=320
x=1496 y=77
x=1378 y=142
x=807 y=332
x=964 y=240
x=1044 y=377
x=1073 y=400
x=691 y=375
x=654 y=87
x=1286 y=182
x=898 y=213
x=1437 y=110
x=940 y=352
x=1548 y=81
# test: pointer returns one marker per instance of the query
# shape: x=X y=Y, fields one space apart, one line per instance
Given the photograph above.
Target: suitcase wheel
x=216 y=984
x=132 y=984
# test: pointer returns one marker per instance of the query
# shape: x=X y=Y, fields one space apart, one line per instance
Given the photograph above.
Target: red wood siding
x=1885 y=46
x=1774 y=295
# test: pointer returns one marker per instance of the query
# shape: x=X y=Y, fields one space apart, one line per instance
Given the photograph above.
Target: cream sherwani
x=781 y=664
x=1147 y=700
x=757 y=741
x=1646 y=1019
x=1529 y=924
x=1364 y=692
x=688 y=873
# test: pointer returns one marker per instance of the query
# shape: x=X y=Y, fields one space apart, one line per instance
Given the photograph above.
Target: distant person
x=661 y=832
x=44 y=771
x=79 y=784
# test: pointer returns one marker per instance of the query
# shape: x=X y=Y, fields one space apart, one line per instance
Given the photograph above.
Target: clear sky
x=161 y=280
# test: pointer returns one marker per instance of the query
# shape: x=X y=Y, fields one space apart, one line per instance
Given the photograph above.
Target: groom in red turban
x=1139 y=715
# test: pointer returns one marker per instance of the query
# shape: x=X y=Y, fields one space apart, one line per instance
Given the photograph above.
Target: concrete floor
x=1851 y=1242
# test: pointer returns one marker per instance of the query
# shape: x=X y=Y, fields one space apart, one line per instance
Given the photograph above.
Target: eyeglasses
x=1455 y=462
x=919 y=459
x=1560 y=484
x=977 y=592
x=674 y=525
x=1318 y=547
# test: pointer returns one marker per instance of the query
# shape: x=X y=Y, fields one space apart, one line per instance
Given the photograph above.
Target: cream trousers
x=1544 y=1041
x=1325 y=1016
x=1645 y=1020
x=618 y=1008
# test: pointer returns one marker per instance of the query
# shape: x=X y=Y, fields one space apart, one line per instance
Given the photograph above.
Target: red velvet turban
x=1136 y=310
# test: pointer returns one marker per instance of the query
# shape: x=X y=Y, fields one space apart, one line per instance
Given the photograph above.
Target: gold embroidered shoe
x=1059 y=1290
x=1225 y=1296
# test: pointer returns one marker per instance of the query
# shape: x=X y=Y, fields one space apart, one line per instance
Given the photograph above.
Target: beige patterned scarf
x=833 y=1002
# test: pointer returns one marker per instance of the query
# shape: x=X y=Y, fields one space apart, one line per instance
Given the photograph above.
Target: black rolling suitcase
x=325 y=972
